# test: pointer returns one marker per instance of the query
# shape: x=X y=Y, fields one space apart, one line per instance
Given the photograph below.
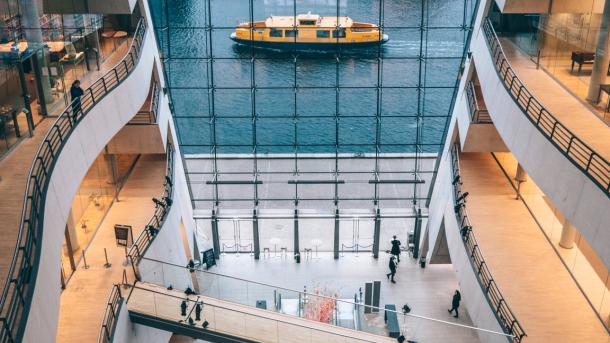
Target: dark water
x=410 y=86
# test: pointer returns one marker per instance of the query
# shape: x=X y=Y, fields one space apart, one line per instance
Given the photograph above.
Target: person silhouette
x=455 y=303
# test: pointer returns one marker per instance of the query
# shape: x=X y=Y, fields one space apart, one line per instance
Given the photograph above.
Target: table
x=275 y=241
x=56 y=46
x=316 y=243
x=8 y=47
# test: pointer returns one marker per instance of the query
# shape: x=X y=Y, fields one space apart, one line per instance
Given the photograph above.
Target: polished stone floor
x=427 y=291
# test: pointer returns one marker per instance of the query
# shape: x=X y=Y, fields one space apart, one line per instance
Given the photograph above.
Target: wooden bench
x=391 y=320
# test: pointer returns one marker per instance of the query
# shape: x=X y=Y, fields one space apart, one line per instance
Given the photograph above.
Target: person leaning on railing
x=75 y=93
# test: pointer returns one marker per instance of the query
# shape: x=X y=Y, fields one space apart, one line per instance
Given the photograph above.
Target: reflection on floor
x=427 y=291
x=590 y=272
x=532 y=279
x=79 y=320
x=569 y=110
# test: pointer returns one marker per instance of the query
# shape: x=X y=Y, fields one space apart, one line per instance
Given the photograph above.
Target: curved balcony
x=77 y=135
x=505 y=316
x=596 y=167
x=573 y=175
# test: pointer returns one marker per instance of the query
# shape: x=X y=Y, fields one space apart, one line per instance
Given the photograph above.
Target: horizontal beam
x=398 y=181
x=234 y=182
x=315 y=182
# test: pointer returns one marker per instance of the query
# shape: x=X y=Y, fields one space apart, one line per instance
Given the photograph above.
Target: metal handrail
x=477 y=114
x=577 y=151
x=148 y=116
x=113 y=307
x=309 y=294
x=19 y=286
x=141 y=244
x=505 y=316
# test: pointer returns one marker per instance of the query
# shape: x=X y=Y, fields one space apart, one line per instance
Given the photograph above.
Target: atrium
x=177 y=171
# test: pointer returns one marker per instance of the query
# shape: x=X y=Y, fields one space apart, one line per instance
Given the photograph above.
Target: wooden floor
x=536 y=285
x=243 y=321
x=79 y=320
x=567 y=108
x=14 y=169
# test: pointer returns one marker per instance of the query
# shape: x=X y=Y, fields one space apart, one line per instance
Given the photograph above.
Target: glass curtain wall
x=97 y=191
x=315 y=130
x=564 y=44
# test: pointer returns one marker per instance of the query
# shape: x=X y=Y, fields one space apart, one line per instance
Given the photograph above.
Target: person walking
x=75 y=93
x=198 y=311
x=455 y=303
x=392 y=269
x=395 y=248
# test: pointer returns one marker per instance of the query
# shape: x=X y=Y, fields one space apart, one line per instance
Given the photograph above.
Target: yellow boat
x=312 y=31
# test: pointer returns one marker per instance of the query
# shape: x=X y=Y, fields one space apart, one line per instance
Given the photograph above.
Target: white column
x=602 y=57
x=112 y=168
x=71 y=225
x=568 y=235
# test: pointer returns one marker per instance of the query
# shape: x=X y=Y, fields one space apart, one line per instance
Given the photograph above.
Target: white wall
x=126 y=332
x=84 y=144
x=476 y=137
x=568 y=188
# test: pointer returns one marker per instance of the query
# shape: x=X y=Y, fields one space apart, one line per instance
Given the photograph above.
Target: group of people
x=395 y=259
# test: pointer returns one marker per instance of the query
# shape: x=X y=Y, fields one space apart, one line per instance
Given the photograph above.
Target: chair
x=72 y=56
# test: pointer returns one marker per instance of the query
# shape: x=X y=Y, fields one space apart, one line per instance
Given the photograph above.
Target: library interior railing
x=19 y=286
x=478 y=115
x=577 y=151
x=162 y=208
x=113 y=307
x=505 y=316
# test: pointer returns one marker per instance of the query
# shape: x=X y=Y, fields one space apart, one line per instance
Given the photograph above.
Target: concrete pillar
x=296 y=232
x=520 y=177
x=336 y=236
x=30 y=21
x=72 y=227
x=376 y=234
x=568 y=235
x=112 y=168
x=602 y=57
x=255 y=236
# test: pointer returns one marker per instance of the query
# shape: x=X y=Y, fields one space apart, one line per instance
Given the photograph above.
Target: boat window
x=323 y=33
x=340 y=33
x=259 y=30
x=291 y=33
x=307 y=22
x=275 y=33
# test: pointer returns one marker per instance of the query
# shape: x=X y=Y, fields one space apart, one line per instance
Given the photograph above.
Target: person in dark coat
x=183 y=308
x=392 y=269
x=198 y=311
x=455 y=303
x=75 y=93
x=395 y=248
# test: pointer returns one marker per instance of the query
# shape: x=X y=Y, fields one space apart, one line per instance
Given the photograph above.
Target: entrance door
x=235 y=235
x=356 y=235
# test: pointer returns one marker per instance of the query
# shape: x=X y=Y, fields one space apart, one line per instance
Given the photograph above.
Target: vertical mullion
x=211 y=90
x=421 y=86
x=253 y=104
x=294 y=107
